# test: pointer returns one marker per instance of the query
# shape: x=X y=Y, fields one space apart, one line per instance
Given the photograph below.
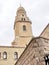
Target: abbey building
x=23 y=35
x=25 y=49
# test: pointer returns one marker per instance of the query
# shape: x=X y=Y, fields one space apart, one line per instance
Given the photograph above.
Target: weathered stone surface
x=10 y=54
x=34 y=53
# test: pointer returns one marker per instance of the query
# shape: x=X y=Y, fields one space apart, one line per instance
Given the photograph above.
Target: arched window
x=15 y=55
x=0 y=55
x=23 y=19
x=24 y=28
x=5 y=55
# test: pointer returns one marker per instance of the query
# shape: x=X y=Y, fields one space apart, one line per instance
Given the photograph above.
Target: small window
x=24 y=28
x=15 y=55
x=4 y=55
x=46 y=58
x=23 y=19
x=0 y=55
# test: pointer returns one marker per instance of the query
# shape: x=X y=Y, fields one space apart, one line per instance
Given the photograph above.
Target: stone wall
x=34 y=52
x=10 y=54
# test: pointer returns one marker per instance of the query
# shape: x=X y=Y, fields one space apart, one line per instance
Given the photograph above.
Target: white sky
x=37 y=11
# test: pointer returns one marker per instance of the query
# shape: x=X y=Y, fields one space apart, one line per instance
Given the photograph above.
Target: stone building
x=36 y=53
x=9 y=54
x=23 y=35
x=22 y=28
x=23 y=50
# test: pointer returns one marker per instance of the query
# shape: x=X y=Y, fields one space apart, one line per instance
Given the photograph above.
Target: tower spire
x=22 y=28
x=20 y=3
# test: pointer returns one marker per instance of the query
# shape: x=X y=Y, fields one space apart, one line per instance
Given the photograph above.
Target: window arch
x=5 y=55
x=15 y=55
x=24 y=28
x=0 y=55
x=23 y=19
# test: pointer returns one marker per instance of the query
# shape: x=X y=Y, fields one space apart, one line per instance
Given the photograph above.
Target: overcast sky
x=37 y=11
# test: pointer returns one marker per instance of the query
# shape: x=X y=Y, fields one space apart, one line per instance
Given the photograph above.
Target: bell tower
x=22 y=28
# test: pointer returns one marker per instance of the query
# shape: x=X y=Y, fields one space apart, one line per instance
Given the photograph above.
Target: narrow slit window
x=0 y=55
x=24 y=28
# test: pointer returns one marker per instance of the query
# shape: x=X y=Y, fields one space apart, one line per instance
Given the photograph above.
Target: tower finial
x=20 y=3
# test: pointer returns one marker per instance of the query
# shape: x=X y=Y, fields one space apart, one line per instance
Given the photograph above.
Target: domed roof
x=21 y=9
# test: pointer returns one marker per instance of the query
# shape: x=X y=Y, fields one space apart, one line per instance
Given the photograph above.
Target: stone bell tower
x=22 y=28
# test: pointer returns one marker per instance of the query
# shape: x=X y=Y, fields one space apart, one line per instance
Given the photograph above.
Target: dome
x=21 y=10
